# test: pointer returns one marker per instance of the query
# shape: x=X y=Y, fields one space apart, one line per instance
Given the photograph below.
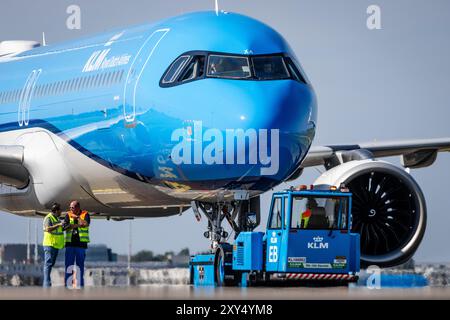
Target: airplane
x=205 y=110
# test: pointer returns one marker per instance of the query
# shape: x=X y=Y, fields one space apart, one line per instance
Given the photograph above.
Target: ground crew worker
x=53 y=241
x=306 y=215
x=76 y=225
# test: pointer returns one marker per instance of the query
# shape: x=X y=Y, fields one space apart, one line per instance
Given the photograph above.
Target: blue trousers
x=50 y=255
x=75 y=262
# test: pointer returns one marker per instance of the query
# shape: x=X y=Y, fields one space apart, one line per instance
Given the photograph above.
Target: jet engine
x=388 y=207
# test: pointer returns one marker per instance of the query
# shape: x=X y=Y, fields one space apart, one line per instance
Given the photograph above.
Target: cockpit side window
x=175 y=69
x=195 y=69
x=296 y=73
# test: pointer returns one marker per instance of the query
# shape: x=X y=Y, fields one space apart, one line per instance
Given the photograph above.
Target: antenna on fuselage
x=217 y=7
x=44 y=42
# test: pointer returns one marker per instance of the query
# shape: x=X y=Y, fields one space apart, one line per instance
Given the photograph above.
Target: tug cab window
x=276 y=217
x=319 y=213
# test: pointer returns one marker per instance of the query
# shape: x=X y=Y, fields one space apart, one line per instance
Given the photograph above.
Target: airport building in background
x=19 y=253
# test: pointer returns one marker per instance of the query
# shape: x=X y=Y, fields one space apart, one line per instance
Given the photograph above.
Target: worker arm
x=48 y=227
x=53 y=227
x=67 y=225
x=86 y=222
x=71 y=226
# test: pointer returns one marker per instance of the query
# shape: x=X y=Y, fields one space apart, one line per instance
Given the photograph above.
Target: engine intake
x=389 y=209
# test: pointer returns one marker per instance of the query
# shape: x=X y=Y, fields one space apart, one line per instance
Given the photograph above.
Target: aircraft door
x=274 y=234
x=23 y=114
x=137 y=67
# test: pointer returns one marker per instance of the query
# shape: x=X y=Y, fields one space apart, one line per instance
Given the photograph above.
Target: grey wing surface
x=414 y=153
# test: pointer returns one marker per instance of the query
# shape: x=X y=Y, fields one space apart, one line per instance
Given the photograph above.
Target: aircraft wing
x=12 y=171
x=415 y=153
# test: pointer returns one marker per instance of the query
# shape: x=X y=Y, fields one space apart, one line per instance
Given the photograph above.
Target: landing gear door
x=274 y=234
x=137 y=67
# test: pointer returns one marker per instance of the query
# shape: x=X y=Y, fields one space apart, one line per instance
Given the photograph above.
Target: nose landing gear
x=242 y=215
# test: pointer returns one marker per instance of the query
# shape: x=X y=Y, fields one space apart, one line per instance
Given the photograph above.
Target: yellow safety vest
x=55 y=238
x=82 y=232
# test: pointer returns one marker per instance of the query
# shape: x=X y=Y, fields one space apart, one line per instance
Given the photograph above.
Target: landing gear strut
x=242 y=215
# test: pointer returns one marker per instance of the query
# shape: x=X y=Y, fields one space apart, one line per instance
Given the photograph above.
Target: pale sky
x=379 y=85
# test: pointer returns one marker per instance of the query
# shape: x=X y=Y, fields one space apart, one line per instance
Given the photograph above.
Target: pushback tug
x=308 y=238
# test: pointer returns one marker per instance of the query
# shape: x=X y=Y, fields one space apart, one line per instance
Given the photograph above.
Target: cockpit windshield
x=221 y=66
x=197 y=65
x=270 y=68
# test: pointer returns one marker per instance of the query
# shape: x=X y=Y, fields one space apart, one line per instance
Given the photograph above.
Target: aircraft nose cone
x=291 y=110
x=269 y=127
x=248 y=135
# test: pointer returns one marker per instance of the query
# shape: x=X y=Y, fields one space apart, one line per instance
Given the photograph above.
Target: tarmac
x=185 y=292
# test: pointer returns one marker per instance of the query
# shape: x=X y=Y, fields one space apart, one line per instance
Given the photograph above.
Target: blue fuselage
x=103 y=96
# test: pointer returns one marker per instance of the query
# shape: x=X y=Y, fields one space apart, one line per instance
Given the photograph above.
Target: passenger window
x=83 y=82
x=121 y=75
x=195 y=69
x=58 y=87
x=115 y=77
x=106 y=81
x=175 y=69
x=103 y=80
x=110 y=78
x=78 y=86
x=90 y=82
x=275 y=221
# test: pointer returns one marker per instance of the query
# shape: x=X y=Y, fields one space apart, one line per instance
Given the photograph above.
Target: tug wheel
x=191 y=275
x=222 y=268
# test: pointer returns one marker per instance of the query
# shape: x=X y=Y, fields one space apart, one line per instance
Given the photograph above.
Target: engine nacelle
x=388 y=209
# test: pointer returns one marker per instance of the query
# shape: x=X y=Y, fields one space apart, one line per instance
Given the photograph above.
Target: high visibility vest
x=305 y=218
x=82 y=232
x=54 y=238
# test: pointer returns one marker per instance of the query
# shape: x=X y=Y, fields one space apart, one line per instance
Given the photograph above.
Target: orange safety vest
x=305 y=218
x=83 y=231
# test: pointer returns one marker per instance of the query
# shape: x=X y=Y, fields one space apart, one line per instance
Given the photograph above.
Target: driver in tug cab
x=306 y=215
